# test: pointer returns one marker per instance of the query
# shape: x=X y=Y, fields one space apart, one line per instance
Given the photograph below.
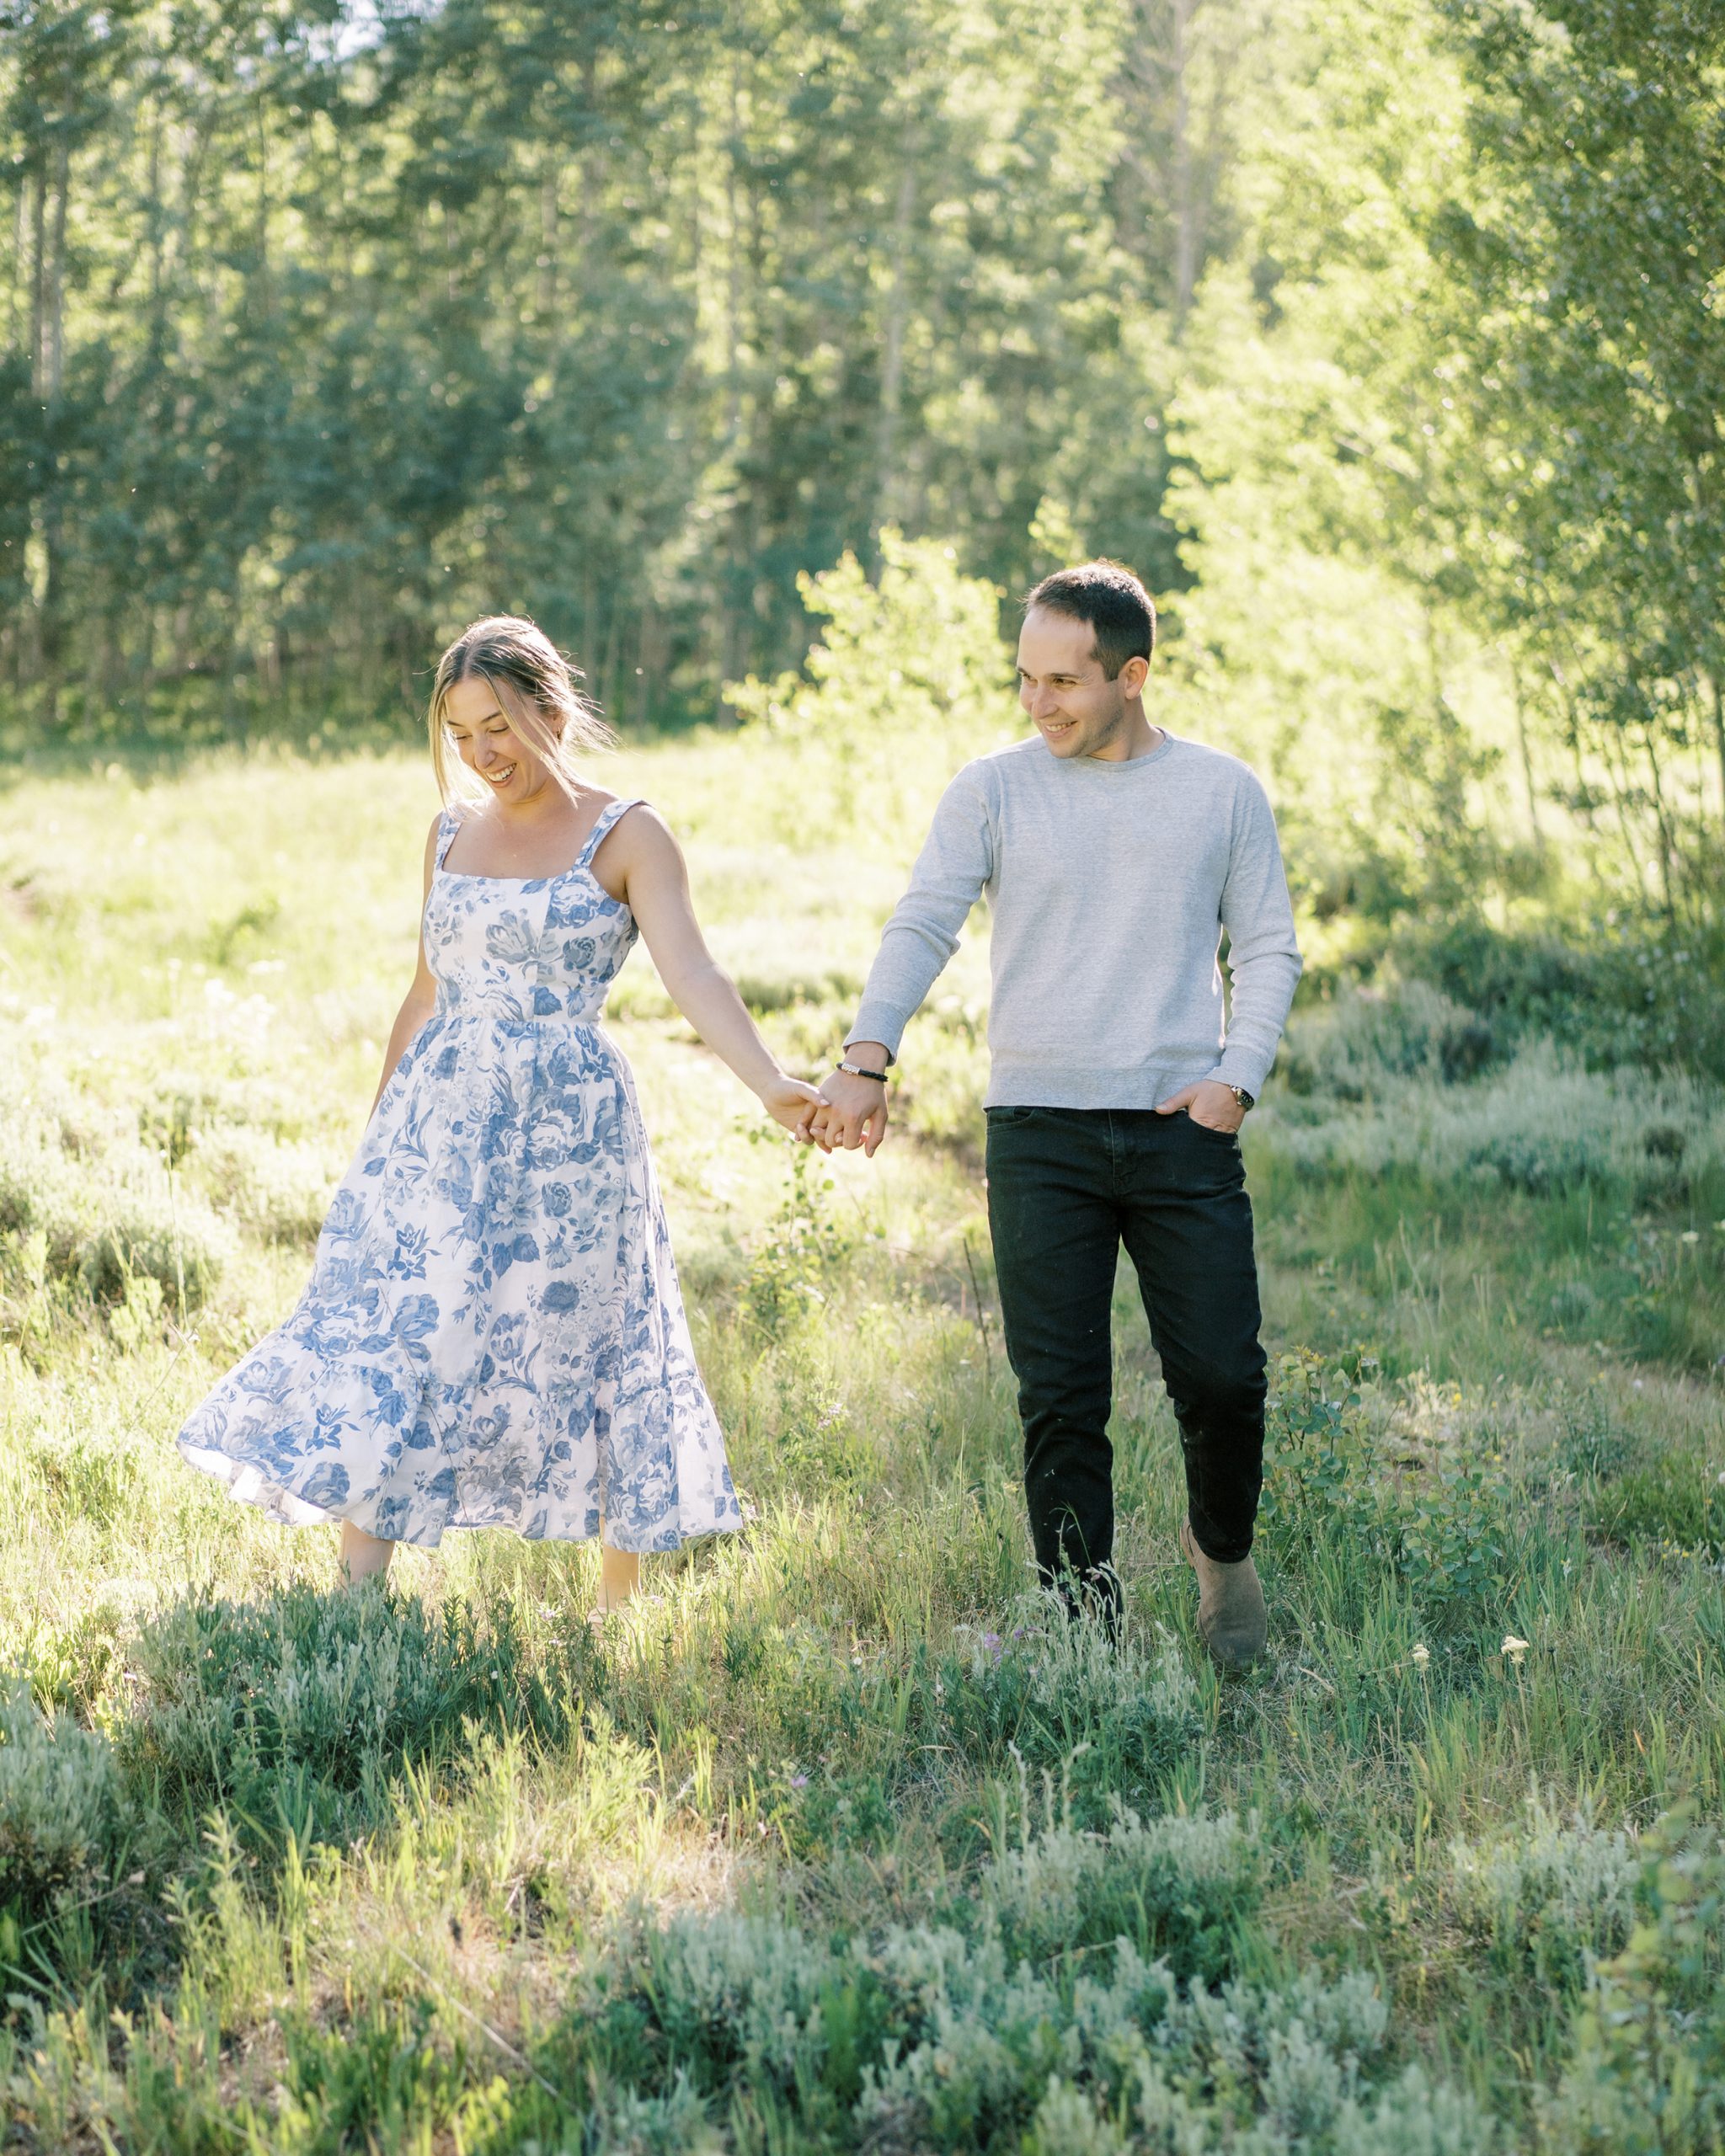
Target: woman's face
x=489 y=744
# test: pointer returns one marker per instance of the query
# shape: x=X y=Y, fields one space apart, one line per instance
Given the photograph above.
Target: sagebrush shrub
x=1064 y=1695
x=1346 y=1049
x=674 y=2124
x=311 y=1695
x=107 y=1214
x=1415 y=2117
x=1647 y=2073
x=1549 y=1897
x=740 y=1990
x=1539 y=1124
x=1177 y=1886
x=279 y=1191
x=59 y=1807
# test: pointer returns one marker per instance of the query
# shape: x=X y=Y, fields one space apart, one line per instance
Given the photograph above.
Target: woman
x=493 y=1335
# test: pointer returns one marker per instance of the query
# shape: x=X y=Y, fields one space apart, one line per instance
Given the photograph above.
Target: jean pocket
x=1209 y=1130
x=1008 y=1118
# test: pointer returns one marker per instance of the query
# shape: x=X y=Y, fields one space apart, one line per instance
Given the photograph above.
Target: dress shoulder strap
x=608 y=817
x=448 y=823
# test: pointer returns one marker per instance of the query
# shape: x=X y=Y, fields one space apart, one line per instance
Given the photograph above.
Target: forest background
x=1387 y=342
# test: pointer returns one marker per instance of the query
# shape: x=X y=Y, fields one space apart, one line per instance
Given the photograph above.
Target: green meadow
x=837 y=1842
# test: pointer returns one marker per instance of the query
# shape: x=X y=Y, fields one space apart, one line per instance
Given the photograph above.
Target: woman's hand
x=790 y=1102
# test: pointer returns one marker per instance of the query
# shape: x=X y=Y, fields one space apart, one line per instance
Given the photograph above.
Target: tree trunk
x=1185 y=204
x=39 y=279
x=1719 y=730
x=548 y=187
x=1661 y=822
x=50 y=639
x=1526 y=747
x=892 y=362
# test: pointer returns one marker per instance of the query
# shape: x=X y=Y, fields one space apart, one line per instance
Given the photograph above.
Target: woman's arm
x=643 y=866
x=421 y=1000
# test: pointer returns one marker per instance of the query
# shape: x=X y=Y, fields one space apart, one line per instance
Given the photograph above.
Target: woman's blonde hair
x=535 y=687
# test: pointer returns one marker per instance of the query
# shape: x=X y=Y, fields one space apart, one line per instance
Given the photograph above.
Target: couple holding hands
x=493 y=1335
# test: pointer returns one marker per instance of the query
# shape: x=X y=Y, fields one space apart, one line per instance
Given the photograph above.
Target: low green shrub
x=938 y=2037
x=103 y=1221
x=1003 y=2052
x=1345 y=1049
x=673 y=2124
x=281 y=1192
x=1539 y=1124
x=1620 y=990
x=1062 y=1695
x=1180 y=1887
x=297 y=1709
x=1552 y=1898
x=1673 y=1498
x=60 y=1811
x=1647 y=2074
x=797 y=1258
x=1329 y=1478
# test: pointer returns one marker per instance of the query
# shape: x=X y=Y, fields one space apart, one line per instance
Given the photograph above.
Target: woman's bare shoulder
x=643 y=830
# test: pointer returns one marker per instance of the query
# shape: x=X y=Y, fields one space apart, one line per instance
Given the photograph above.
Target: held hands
x=852 y=1112
x=1207 y=1102
x=792 y=1104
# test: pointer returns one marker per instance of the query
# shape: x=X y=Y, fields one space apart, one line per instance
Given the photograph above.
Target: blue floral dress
x=493 y=1335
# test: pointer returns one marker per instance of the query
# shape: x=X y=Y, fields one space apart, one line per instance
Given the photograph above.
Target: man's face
x=1073 y=705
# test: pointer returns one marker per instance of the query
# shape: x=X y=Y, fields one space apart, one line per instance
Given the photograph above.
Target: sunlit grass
x=829 y=1845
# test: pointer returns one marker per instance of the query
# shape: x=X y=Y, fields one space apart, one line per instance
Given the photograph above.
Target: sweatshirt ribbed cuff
x=875 y=1023
x=1237 y=1068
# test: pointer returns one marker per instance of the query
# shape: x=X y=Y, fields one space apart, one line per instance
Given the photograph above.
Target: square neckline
x=614 y=811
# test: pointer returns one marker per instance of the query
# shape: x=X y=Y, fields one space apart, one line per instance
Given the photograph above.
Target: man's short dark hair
x=1115 y=603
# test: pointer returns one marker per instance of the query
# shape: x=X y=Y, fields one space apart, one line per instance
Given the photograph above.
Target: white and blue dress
x=493 y=1335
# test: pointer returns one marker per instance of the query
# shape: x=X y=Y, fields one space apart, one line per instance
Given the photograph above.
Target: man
x=1113 y=856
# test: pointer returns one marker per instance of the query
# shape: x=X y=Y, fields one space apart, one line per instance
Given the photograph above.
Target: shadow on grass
x=294 y=1714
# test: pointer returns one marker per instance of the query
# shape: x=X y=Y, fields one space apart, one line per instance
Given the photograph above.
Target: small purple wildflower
x=799 y=1782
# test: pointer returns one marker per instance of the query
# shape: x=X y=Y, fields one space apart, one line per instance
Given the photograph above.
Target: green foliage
x=1553 y=1898
x=1591 y=370
x=60 y=1815
x=1538 y=1123
x=296 y=1711
x=917 y=2036
x=1183 y=1888
x=103 y=1227
x=1649 y=2073
x=1329 y=1478
x=837 y=1842
x=1060 y=1694
x=908 y=680
x=1617 y=991
x=801 y=1248
x=621 y=319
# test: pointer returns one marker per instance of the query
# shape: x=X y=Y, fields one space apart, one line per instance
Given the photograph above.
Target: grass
x=840 y=1844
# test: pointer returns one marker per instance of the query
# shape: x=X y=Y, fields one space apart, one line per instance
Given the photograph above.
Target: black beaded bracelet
x=855 y=1070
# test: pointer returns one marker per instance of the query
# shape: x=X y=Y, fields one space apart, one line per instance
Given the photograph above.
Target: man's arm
x=1263 y=957
x=956 y=862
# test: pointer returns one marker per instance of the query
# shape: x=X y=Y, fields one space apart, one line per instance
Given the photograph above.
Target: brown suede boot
x=1232 y=1621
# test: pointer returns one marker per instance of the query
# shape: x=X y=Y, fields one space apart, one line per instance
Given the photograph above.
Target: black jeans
x=1066 y=1188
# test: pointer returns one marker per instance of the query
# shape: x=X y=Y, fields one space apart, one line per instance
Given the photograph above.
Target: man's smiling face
x=1077 y=710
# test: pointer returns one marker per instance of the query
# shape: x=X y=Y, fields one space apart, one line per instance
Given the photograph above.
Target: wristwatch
x=1241 y=1095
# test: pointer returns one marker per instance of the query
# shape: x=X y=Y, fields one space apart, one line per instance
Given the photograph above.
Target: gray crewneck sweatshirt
x=1109 y=885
